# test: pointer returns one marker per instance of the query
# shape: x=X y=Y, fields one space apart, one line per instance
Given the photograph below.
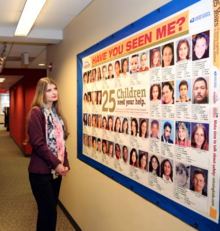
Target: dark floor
x=18 y=208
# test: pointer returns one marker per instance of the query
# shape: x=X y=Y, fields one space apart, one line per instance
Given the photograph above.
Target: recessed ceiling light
x=41 y=64
x=2 y=80
x=29 y=15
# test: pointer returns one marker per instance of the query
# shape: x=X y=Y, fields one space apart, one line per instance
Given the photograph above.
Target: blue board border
x=185 y=214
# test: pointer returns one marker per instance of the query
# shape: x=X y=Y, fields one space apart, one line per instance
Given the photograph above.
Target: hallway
x=18 y=209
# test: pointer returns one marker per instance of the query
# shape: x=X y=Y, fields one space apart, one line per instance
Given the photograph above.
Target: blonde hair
x=40 y=100
x=183 y=126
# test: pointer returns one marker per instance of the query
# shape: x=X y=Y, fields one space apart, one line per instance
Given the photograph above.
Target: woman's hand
x=59 y=168
x=61 y=171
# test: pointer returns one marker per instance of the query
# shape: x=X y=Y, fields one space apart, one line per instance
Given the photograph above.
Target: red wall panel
x=21 y=96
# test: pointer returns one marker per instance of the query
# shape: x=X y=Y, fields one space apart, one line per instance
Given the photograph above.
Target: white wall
x=95 y=201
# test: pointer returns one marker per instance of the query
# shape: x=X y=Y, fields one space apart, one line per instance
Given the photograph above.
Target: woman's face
x=89 y=119
x=156 y=58
x=144 y=128
x=200 y=47
x=155 y=92
x=183 y=51
x=199 y=137
x=125 y=126
x=133 y=157
x=167 y=168
x=99 y=97
x=154 y=164
x=110 y=123
x=125 y=66
x=51 y=93
x=181 y=134
x=118 y=124
x=143 y=161
x=133 y=127
x=167 y=56
x=85 y=118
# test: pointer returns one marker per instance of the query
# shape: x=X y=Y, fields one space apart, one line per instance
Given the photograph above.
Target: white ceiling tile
x=33 y=51
x=12 y=5
x=9 y=18
x=40 y=59
x=71 y=7
x=53 y=21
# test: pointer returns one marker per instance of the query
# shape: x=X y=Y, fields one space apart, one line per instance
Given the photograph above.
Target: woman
x=154 y=166
x=125 y=126
x=89 y=120
x=47 y=129
x=85 y=119
x=201 y=46
x=99 y=122
x=133 y=158
x=182 y=135
x=125 y=67
x=104 y=123
x=117 y=125
x=110 y=123
x=155 y=93
x=144 y=129
x=166 y=170
x=99 y=98
x=183 y=50
x=155 y=58
x=89 y=98
x=85 y=98
x=199 y=138
x=94 y=121
x=134 y=127
x=167 y=55
x=143 y=161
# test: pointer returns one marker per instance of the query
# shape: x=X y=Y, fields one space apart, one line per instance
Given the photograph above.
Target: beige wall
x=95 y=201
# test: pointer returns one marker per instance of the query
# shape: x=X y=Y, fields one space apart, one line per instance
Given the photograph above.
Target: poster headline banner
x=172 y=28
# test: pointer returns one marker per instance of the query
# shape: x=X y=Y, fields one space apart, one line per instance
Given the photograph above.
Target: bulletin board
x=147 y=109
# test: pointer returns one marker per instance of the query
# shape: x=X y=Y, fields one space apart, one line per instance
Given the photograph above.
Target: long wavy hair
x=152 y=58
x=183 y=126
x=205 y=145
x=40 y=101
x=151 y=167
x=162 y=169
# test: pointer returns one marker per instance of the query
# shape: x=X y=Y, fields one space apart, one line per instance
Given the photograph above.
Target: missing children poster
x=150 y=107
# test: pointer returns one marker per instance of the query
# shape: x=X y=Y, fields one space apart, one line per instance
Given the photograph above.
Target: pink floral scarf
x=54 y=131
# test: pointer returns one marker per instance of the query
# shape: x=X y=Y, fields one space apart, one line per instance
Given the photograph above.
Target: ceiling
x=48 y=29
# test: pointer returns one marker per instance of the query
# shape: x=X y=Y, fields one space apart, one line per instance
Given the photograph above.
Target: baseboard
x=25 y=155
x=69 y=217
